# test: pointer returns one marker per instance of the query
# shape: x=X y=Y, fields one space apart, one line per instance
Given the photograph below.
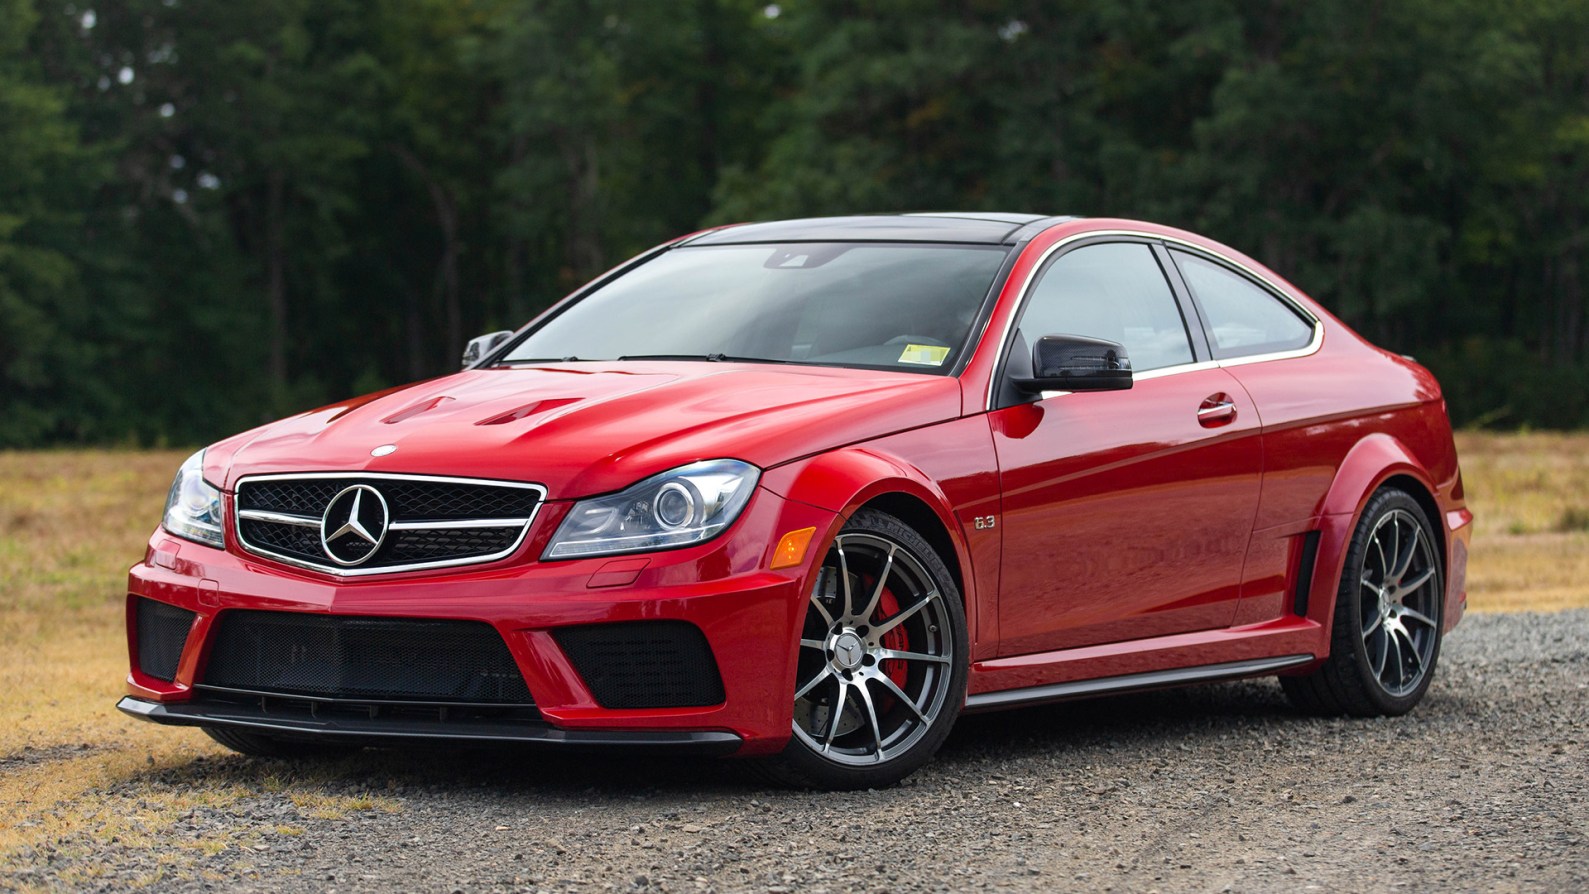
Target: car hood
x=583 y=428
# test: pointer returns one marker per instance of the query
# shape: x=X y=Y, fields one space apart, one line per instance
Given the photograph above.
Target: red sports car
x=806 y=490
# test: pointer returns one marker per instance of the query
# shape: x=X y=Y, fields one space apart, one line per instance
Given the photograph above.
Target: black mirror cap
x=482 y=345
x=1077 y=363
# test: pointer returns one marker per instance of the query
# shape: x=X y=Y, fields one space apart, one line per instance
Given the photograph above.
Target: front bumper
x=391 y=731
x=747 y=614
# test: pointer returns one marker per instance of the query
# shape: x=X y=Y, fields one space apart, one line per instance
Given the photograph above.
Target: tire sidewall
x=1349 y=613
x=813 y=769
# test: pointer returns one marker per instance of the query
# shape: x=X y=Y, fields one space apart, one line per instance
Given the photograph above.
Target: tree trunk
x=517 y=304
x=276 y=279
x=584 y=183
x=447 y=288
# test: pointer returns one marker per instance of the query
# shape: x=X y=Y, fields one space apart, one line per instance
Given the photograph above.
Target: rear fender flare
x=1369 y=464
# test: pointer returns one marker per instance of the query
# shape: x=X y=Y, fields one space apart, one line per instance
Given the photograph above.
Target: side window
x=1243 y=318
x=1114 y=291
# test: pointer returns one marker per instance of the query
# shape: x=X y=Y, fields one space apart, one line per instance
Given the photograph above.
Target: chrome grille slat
x=280 y=518
x=435 y=521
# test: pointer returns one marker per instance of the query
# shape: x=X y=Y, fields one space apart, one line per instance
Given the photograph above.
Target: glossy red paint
x=1159 y=507
x=647 y=416
x=1091 y=534
x=723 y=587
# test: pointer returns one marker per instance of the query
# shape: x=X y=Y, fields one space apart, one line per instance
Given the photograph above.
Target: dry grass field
x=71 y=523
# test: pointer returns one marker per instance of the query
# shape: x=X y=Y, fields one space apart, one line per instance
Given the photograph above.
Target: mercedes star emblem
x=354 y=525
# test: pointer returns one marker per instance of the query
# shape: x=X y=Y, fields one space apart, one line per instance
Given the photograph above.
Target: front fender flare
x=843 y=481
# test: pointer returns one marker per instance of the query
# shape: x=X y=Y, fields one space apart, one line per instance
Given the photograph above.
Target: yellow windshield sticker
x=926 y=355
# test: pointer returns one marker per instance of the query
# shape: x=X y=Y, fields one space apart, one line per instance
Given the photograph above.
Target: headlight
x=193 y=509
x=690 y=504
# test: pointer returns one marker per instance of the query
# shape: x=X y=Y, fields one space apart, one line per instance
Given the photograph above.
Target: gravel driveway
x=1217 y=788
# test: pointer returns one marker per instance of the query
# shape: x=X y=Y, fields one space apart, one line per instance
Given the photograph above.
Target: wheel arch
x=847 y=481
x=1377 y=461
x=913 y=511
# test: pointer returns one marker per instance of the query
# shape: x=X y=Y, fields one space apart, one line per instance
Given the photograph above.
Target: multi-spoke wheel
x=1387 y=616
x=882 y=665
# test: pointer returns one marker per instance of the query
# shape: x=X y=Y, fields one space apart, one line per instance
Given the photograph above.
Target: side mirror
x=480 y=346
x=1077 y=363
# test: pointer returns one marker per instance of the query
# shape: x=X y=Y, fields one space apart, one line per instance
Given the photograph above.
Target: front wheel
x=1386 y=636
x=881 y=675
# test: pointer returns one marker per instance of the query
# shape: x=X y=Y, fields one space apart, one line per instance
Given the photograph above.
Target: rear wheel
x=1386 y=637
x=261 y=745
x=881 y=675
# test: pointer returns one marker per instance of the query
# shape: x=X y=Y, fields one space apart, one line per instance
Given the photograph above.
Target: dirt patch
x=1206 y=789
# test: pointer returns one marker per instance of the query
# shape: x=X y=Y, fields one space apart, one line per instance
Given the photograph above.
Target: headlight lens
x=193 y=509
x=690 y=504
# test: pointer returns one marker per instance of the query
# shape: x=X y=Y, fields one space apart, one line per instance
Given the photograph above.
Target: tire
x=881 y=675
x=1387 y=627
x=261 y=745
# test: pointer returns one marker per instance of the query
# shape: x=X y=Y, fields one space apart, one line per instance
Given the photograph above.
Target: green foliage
x=216 y=212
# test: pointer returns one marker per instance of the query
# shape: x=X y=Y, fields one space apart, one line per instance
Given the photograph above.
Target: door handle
x=1217 y=409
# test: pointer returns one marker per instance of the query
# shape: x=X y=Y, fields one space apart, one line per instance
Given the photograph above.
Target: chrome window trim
x=1269 y=286
x=523 y=523
x=1157 y=373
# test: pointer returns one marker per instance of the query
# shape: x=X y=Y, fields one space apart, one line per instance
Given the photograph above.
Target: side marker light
x=791 y=549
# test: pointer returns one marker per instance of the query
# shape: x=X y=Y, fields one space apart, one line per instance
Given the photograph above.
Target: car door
x=1126 y=514
x=1268 y=343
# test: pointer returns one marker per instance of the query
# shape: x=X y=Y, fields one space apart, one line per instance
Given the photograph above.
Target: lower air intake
x=162 y=632
x=372 y=659
x=644 y=664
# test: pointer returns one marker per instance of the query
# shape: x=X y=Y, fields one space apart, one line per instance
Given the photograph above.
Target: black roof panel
x=972 y=227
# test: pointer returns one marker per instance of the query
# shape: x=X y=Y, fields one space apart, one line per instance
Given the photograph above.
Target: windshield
x=892 y=306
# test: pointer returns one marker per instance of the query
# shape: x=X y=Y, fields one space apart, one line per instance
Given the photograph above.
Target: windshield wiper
x=518 y=360
x=710 y=358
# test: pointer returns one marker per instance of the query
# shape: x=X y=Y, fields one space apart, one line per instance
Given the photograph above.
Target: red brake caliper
x=895 y=639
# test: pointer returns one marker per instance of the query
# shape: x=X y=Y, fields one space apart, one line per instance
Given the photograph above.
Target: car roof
x=974 y=227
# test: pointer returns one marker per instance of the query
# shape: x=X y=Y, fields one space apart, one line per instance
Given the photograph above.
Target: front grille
x=430 y=522
x=644 y=664
x=358 y=658
x=162 y=632
x=415 y=500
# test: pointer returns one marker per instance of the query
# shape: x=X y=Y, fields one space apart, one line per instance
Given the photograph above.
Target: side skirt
x=1036 y=695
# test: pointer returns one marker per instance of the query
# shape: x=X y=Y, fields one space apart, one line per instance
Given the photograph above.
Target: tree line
x=214 y=212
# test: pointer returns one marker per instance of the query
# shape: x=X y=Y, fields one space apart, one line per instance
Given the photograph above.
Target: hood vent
x=540 y=406
x=415 y=410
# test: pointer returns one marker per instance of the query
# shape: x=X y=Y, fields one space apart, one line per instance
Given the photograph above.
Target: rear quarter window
x=1243 y=317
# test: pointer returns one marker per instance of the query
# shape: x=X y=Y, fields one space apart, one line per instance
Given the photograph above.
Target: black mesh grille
x=294 y=540
x=395 y=659
x=162 y=631
x=307 y=497
x=410 y=501
x=418 y=501
x=644 y=664
x=445 y=543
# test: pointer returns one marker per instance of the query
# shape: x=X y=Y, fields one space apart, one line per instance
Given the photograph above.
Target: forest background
x=215 y=212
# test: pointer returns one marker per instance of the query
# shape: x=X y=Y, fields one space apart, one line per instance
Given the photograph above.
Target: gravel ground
x=1215 y=788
